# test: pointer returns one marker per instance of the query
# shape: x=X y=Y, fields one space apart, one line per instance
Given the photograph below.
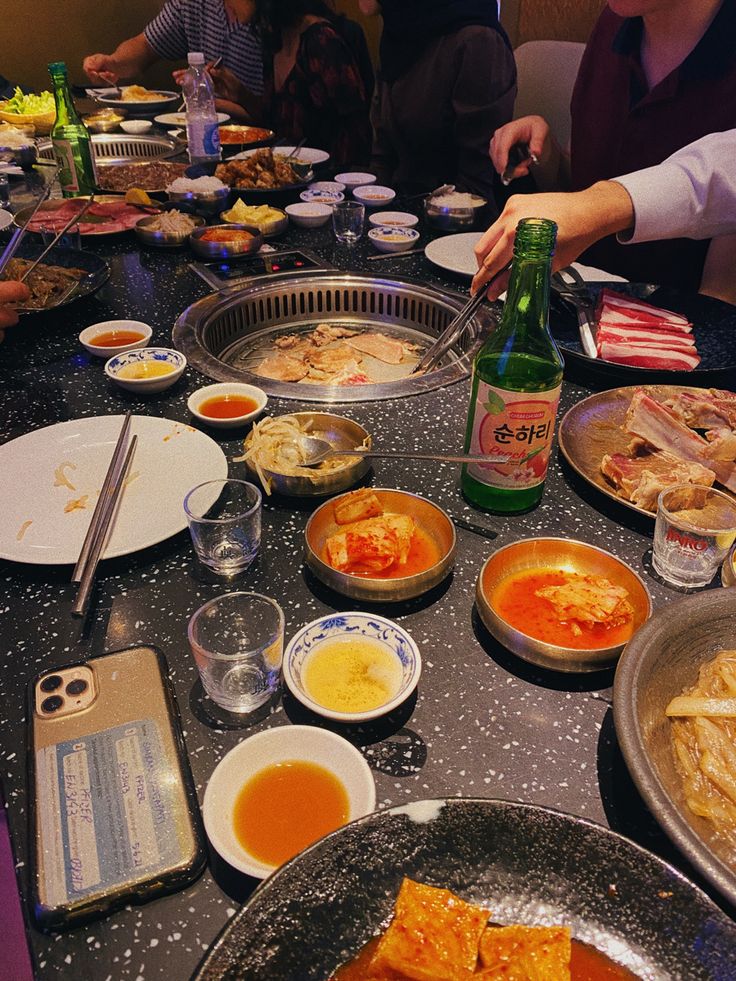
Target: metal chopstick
x=112 y=470
x=12 y=247
x=72 y=221
x=394 y=255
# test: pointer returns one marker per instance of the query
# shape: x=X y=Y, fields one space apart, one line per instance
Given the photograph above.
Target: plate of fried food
x=137 y=99
x=380 y=545
x=260 y=178
x=65 y=275
x=469 y=888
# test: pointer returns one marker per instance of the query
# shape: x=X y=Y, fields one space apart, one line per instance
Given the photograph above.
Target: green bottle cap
x=57 y=68
x=535 y=237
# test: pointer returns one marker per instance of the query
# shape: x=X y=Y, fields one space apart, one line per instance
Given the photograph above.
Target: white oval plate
x=170 y=459
x=454 y=252
x=307 y=154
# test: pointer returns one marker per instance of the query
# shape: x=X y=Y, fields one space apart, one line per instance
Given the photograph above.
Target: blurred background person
x=655 y=76
x=446 y=81
x=313 y=88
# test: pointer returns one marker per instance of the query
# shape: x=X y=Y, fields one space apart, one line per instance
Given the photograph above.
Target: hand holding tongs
x=455 y=329
x=574 y=291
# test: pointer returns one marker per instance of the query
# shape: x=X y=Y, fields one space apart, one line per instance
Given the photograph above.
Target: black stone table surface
x=483 y=723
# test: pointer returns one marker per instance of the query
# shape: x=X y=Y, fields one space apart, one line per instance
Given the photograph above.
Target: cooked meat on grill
x=282 y=367
x=149 y=175
x=46 y=283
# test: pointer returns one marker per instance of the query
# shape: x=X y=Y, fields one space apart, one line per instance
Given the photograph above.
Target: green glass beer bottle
x=517 y=376
x=70 y=139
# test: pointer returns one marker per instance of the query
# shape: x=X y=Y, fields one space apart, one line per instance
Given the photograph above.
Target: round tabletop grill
x=115 y=148
x=227 y=334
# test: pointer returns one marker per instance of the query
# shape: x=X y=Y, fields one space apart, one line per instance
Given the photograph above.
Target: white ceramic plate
x=170 y=459
x=6 y=218
x=180 y=118
x=307 y=154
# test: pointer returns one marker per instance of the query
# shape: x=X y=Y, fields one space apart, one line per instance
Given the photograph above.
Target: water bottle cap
x=195 y=58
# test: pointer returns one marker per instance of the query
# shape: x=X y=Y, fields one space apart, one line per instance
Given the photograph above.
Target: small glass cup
x=238 y=644
x=224 y=519
x=348 y=218
x=695 y=528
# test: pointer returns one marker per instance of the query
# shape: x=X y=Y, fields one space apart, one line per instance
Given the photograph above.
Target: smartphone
x=114 y=814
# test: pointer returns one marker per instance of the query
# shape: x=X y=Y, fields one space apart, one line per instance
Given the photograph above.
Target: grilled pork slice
x=705 y=409
x=356 y=505
x=657 y=425
x=326 y=333
x=379 y=346
x=371 y=545
x=283 y=367
x=588 y=599
x=332 y=359
x=648 y=356
x=641 y=479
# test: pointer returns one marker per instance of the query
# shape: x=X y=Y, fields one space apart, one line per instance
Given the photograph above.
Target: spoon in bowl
x=315 y=450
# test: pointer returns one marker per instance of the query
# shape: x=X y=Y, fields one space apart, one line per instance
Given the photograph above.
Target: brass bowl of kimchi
x=380 y=545
x=561 y=604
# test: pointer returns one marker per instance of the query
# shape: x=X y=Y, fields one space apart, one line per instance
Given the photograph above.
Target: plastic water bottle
x=202 y=132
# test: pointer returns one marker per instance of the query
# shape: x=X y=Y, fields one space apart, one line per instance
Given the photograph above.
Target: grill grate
x=122 y=148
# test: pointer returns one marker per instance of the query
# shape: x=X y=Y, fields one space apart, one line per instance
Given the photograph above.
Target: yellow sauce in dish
x=139 y=370
x=352 y=674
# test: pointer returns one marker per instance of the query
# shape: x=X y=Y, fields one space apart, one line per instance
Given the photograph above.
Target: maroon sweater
x=619 y=126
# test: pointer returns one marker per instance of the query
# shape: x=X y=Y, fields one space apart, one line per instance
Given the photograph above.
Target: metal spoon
x=316 y=450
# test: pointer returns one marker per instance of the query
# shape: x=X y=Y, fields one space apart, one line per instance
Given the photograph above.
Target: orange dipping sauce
x=227 y=406
x=287 y=806
x=514 y=600
x=116 y=338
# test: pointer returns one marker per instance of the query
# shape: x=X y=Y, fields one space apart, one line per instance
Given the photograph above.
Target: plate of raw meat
x=107 y=216
x=633 y=442
x=646 y=333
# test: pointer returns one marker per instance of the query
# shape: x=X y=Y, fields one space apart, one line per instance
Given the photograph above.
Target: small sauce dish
x=136 y=127
x=402 y=219
x=227 y=405
x=353 y=179
x=352 y=667
x=393 y=239
x=110 y=337
x=147 y=370
x=321 y=195
x=374 y=195
x=309 y=214
x=286 y=748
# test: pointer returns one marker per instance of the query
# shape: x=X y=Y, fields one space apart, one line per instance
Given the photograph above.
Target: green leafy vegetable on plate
x=29 y=105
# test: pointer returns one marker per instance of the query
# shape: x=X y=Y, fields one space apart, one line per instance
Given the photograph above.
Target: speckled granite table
x=483 y=722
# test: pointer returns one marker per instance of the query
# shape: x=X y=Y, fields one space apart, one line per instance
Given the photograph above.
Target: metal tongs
x=75 y=219
x=574 y=291
x=455 y=329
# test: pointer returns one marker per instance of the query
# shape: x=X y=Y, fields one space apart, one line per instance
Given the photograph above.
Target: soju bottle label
x=68 y=177
x=513 y=426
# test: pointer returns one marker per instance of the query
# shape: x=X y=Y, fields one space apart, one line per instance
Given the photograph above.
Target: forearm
x=132 y=57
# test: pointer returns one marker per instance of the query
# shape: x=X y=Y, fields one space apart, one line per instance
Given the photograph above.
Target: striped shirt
x=203 y=25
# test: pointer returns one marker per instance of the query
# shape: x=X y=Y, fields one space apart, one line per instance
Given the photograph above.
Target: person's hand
x=532 y=130
x=100 y=68
x=582 y=218
x=227 y=85
x=179 y=75
x=11 y=292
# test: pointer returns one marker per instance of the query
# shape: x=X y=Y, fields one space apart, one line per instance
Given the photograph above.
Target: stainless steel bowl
x=430 y=518
x=225 y=250
x=560 y=553
x=661 y=661
x=208 y=203
x=163 y=240
x=342 y=433
x=452 y=219
x=728 y=570
x=104 y=121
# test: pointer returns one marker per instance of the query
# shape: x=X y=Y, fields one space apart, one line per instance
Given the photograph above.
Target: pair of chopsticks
x=99 y=526
x=394 y=255
x=455 y=329
x=75 y=219
x=15 y=239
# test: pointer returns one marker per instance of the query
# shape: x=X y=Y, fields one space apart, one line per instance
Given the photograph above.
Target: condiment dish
x=389 y=219
x=326 y=186
x=568 y=556
x=107 y=350
x=225 y=391
x=171 y=362
x=353 y=179
x=136 y=126
x=279 y=745
x=393 y=239
x=374 y=195
x=321 y=195
x=309 y=214
x=401 y=670
x=228 y=248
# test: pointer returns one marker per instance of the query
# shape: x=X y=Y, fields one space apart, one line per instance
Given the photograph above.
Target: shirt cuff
x=662 y=200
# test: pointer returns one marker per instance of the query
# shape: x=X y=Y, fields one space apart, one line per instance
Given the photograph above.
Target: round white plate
x=180 y=118
x=455 y=253
x=307 y=154
x=169 y=460
x=6 y=218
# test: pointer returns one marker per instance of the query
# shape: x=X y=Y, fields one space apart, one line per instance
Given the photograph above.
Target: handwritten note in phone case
x=110 y=794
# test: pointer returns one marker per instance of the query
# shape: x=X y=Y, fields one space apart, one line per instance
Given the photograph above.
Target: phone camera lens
x=52 y=682
x=76 y=687
x=52 y=703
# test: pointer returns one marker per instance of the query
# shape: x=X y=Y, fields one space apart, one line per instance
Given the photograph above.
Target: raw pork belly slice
x=640 y=479
x=642 y=336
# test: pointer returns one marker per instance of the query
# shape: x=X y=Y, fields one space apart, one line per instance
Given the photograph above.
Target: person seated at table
x=313 y=86
x=691 y=194
x=11 y=293
x=655 y=75
x=446 y=80
x=217 y=28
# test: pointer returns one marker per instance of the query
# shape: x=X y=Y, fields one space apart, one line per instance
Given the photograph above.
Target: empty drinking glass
x=238 y=643
x=347 y=221
x=224 y=519
x=696 y=527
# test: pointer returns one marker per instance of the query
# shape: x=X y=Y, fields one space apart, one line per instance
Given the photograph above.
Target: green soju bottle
x=517 y=376
x=70 y=137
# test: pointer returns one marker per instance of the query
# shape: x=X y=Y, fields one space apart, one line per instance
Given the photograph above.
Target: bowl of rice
x=208 y=195
x=168 y=230
x=450 y=210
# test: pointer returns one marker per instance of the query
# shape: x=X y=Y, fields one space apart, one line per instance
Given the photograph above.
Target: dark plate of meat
x=696 y=349
x=260 y=178
x=65 y=275
x=633 y=442
x=523 y=864
x=153 y=176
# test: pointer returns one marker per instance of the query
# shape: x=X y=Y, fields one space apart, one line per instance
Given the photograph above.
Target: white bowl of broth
x=110 y=337
x=352 y=667
x=227 y=404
